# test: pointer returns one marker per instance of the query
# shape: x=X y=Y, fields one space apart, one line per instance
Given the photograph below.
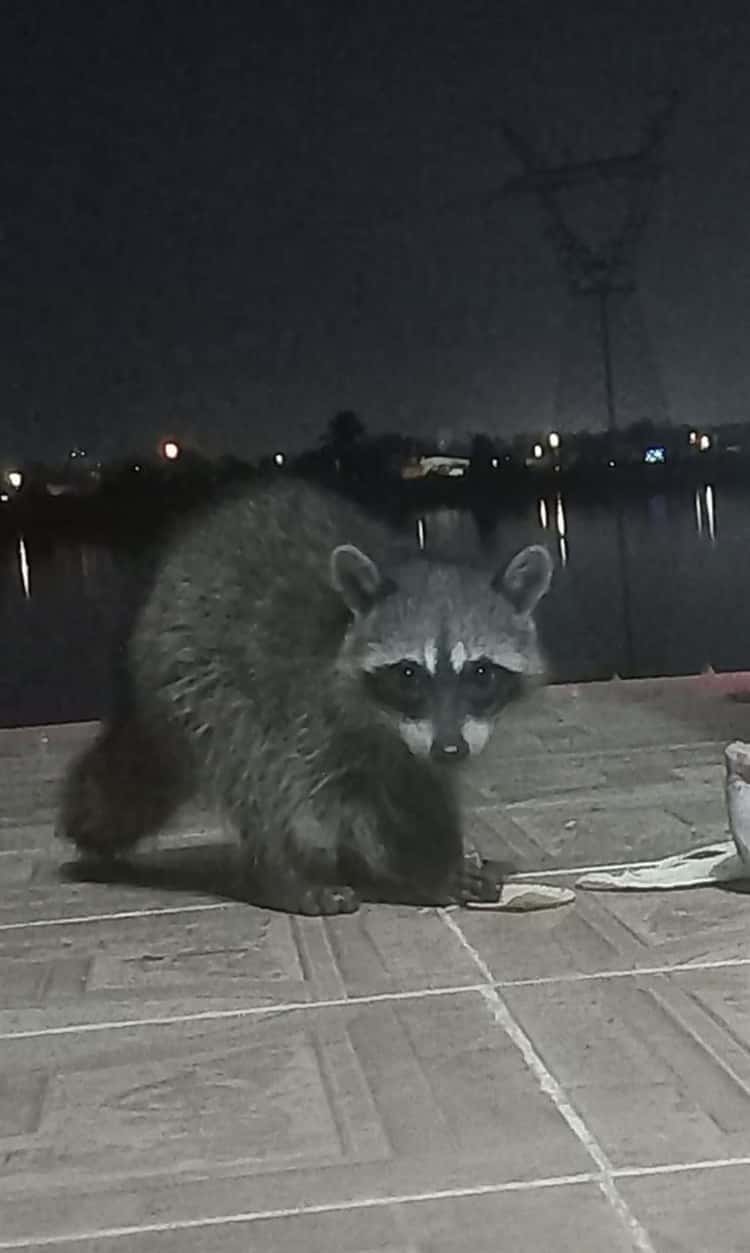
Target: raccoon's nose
x=450 y=750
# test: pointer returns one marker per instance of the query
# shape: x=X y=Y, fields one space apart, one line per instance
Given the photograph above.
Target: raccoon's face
x=441 y=650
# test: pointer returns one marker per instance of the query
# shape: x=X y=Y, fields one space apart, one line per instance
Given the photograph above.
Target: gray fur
x=251 y=659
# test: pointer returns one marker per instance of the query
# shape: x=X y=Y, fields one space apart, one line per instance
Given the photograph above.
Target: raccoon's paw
x=475 y=880
x=325 y=899
x=300 y=896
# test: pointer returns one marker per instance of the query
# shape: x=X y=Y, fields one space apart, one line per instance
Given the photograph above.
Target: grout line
x=298 y=1211
x=554 y=1090
x=380 y=1202
x=372 y=998
x=633 y=972
x=248 y=1011
x=678 y=1168
x=153 y=912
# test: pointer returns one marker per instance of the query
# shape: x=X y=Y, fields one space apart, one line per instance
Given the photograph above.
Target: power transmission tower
x=608 y=268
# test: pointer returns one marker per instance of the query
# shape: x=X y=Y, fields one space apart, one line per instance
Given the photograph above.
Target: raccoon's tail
x=125 y=786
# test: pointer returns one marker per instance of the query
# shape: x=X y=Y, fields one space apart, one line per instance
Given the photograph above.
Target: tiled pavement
x=182 y=1073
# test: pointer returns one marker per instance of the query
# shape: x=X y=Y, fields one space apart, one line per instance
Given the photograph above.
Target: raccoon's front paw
x=300 y=896
x=475 y=880
x=326 y=899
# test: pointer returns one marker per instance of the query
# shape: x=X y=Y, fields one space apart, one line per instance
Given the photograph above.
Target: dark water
x=660 y=588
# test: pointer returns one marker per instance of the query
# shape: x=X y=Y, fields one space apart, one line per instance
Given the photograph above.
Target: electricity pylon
x=602 y=270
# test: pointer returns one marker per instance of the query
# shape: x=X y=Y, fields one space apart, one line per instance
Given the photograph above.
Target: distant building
x=443 y=467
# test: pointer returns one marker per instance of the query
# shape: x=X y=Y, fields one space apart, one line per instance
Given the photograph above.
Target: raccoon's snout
x=449 y=750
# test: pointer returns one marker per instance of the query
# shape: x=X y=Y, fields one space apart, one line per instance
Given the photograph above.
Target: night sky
x=226 y=222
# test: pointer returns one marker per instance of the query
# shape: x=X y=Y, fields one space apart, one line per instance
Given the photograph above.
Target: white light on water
x=560 y=522
x=23 y=567
x=710 y=512
x=420 y=533
x=543 y=515
x=705 y=502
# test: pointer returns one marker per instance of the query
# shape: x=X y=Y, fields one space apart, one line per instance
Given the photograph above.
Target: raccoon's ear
x=356 y=578
x=526 y=579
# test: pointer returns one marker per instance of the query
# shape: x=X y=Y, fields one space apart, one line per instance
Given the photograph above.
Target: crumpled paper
x=723 y=862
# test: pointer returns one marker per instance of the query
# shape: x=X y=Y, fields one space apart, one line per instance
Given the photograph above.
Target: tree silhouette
x=344 y=430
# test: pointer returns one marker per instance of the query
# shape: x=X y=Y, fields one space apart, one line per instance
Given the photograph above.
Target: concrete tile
x=654 y=1082
x=702 y=1211
x=596 y=831
x=693 y=925
x=201 y=1118
x=215 y=960
x=725 y=994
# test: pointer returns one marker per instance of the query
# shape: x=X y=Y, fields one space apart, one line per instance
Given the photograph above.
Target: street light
x=704 y=443
x=15 y=478
x=554 y=440
x=170 y=450
x=279 y=459
x=538 y=451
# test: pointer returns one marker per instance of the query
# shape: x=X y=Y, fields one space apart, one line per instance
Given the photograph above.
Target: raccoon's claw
x=477 y=881
x=299 y=896
x=327 y=900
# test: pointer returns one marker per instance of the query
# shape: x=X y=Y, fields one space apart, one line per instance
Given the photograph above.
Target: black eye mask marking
x=487 y=687
x=403 y=687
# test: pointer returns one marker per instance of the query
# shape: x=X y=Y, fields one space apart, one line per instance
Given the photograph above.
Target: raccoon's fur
x=314 y=685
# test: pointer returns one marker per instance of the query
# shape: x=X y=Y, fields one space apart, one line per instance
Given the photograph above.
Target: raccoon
x=317 y=685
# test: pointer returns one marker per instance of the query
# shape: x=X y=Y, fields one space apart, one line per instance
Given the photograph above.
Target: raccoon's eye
x=402 y=686
x=489 y=686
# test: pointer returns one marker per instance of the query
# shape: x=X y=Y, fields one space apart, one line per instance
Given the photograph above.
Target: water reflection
x=561 y=523
x=23 y=567
x=705 y=505
x=641 y=588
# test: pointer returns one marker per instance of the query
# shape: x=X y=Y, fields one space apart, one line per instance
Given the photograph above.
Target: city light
x=15 y=478
x=693 y=437
x=4 y=497
x=654 y=456
x=170 y=449
x=554 y=440
x=538 y=451
x=704 y=443
x=279 y=458
x=495 y=463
